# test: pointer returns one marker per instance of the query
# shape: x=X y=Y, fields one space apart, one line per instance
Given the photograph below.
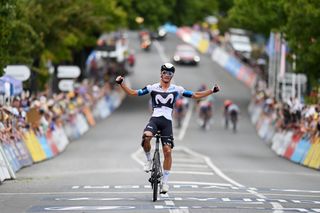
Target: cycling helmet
x=168 y=67
x=227 y=103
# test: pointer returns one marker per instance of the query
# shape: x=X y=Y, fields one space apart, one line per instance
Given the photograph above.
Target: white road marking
x=175 y=165
x=186 y=121
x=161 y=52
x=212 y=166
x=192 y=172
x=200 y=183
x=86 y=208
x=275 y=205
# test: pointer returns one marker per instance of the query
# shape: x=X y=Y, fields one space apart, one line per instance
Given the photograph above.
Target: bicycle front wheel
x=155 y=176
x=155 y=190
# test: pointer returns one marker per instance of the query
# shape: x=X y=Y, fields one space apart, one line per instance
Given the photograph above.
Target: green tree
x=188 y=12
x=154 y=13
x=19 y=41
x=303 y=33
x=257 y=15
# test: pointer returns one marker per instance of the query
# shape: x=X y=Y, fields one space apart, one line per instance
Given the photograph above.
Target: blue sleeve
x=187 y=93
x=143 y=91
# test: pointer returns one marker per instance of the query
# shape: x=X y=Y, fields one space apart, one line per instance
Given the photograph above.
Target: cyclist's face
x=166 y=76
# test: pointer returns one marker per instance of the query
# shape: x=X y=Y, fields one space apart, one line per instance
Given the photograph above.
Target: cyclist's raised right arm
x=130 y=91
x=125 y=88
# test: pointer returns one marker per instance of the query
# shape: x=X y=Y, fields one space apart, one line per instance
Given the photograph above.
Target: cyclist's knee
x=146 y=137
x=167 y=151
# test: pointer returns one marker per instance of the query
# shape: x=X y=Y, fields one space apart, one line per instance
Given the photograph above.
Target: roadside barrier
x=291 y=144
x=34 y=147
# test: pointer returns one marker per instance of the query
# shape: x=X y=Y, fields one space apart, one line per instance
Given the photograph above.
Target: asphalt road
x=213 y=171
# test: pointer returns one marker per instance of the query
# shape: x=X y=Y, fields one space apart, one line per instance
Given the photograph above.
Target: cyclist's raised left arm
x=202 y=94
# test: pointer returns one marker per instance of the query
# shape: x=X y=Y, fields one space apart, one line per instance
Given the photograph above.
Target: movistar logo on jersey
x=163 y=100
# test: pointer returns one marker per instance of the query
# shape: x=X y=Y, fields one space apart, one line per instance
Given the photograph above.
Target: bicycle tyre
x=156 y=171
x=155 y=190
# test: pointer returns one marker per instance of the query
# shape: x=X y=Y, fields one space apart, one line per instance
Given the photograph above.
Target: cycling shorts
x=164 y=126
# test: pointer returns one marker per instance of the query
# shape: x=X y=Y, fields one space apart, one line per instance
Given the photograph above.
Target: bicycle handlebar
x=158 y=134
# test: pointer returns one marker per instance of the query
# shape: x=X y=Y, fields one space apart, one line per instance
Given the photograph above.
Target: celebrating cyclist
x=163 y=96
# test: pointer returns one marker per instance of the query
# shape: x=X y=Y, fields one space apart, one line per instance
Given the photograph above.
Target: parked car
x=186 y=54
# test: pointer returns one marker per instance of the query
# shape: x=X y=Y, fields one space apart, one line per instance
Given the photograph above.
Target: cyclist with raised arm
x=163 y=96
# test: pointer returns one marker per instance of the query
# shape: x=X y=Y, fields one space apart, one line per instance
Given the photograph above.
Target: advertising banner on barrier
x=89 y=116
x=264 y=128
x=11 y=156
x=315 y=160
x=312 y=153
x=81 y=124
x=60 y=138
x=52 y=143
x=45 y=146
x=8 y=172
x=301 y=150
x=34 y=146
x=25 y=157
x=292 y=146
x=277 y=141
x=203 y=46
x=285 y=143
x=4 y=172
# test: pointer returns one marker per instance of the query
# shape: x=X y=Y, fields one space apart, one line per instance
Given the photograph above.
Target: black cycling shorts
x=164 y=126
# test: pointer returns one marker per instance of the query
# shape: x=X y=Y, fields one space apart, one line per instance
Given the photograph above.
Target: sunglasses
x=167 y=73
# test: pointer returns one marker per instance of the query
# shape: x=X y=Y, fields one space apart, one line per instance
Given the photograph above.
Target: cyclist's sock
x=148 y=155
x=165 y=177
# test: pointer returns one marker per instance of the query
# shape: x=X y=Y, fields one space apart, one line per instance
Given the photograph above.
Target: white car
x=186 y=54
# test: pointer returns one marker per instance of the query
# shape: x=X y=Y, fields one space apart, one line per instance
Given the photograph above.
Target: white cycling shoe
x=164 y=188
x=147 y=166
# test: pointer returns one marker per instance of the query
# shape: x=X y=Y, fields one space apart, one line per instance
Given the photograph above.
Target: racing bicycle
x=156 y=171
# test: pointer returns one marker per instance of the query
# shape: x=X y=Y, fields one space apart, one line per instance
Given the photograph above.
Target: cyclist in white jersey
x=163 y=96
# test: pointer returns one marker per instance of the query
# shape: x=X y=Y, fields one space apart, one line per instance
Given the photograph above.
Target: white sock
x=165 y=177
x=148 y=155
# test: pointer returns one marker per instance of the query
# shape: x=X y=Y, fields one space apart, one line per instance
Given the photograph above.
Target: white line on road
x=189 y=165
x=275 y=205
x=161 y=52
x=186 y=121
x=192 y=172
x=212 y=166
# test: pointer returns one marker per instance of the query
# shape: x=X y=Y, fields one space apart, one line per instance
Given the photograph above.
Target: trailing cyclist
x=233 y=113
x=180 y=109
x=205 y=112
x=226 y=105
x=163 y=96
